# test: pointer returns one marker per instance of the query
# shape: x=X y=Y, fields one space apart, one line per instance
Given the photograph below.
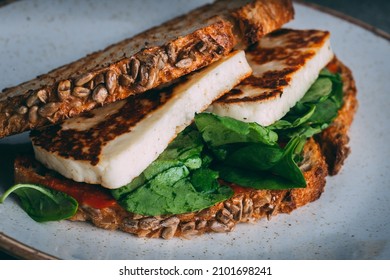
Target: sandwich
x=232 y=131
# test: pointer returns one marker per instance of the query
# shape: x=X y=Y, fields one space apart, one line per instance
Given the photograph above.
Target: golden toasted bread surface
x=173 y=49
x=334 y=140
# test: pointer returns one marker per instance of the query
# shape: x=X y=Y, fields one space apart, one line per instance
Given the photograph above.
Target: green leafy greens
x=43 y=204
x=178 y=181
x=186 y=176
x=249 y=155
x=315 y=111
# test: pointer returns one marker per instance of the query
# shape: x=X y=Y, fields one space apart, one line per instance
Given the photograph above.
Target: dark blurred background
x=372 y=12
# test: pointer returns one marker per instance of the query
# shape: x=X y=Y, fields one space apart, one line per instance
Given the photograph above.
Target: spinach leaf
x=217 y=131
x=184 y=152
x=319 y=91
x=287 y=167
x=246 y=169
x=260 y=180
x=248 y=153
x=43 y=204
x=297 y=116
x=315 y=111
x=181 y=197
x=254 y=156
x=204 y=180
x=178 y=181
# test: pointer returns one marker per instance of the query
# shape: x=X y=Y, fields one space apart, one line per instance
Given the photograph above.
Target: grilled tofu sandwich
x=253 y=134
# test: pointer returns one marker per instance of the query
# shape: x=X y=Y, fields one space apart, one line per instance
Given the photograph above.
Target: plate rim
x=20 y=250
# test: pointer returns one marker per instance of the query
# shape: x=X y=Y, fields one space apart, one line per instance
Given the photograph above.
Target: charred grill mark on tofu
x=285 y=63
x=293 y=54
x=113 y=144
x=88 y=144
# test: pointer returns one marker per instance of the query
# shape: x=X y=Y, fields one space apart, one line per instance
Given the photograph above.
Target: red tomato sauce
x=85 y=194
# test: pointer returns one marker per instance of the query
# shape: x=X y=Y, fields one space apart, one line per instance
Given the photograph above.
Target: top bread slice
x=154 y=57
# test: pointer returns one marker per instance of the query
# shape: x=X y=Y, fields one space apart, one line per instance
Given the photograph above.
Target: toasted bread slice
x=245 y=206
x=132 y=66
x=334 y=140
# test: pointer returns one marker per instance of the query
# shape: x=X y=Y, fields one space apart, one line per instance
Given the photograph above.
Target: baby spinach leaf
x=255 y=156
x=325 y=112
x=315 y=111
x=294 y=118
x=319 y=91
x=204 y=180
x=281 y=172
x=178 y=181
x=260 y=180
x=287 y=167
x=43 y=204
x=183 y=152
x=217 y=131
x=181 y=197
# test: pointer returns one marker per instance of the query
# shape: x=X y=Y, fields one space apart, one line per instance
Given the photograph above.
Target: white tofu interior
x=112 y=157
x=285 y=64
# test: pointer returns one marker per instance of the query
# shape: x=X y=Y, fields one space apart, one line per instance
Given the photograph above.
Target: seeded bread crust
x=248 y=205
x=334 y=140
x=154 y=57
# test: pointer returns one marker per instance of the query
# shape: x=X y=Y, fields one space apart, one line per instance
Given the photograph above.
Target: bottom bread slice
x=246 y=205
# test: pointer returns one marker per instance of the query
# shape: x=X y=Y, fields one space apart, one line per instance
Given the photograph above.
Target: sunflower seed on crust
x=218 y=227
x=63 y=90
x=201 y=46
x=99 y=79
x=134 y=67
x=170 y=221
x=224 y=216
x=83 y=79
x=22 y=110
x=125 y=80
x=33 y=114
x=171 y=51
x=187 y=228
x=49 y=109
x=143 y=75
x=149 y=223
x=111 y=81
x=99 y=94
x=32 y=100
x=81 y=92
x=130 y=224
x=42 y=95
x=184 y=63
x=168 y=232
x=201 y=224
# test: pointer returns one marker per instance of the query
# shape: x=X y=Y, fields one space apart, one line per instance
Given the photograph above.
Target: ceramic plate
x=350 y=221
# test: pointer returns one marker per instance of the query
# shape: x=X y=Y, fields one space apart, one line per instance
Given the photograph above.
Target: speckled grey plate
x=350 y=221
